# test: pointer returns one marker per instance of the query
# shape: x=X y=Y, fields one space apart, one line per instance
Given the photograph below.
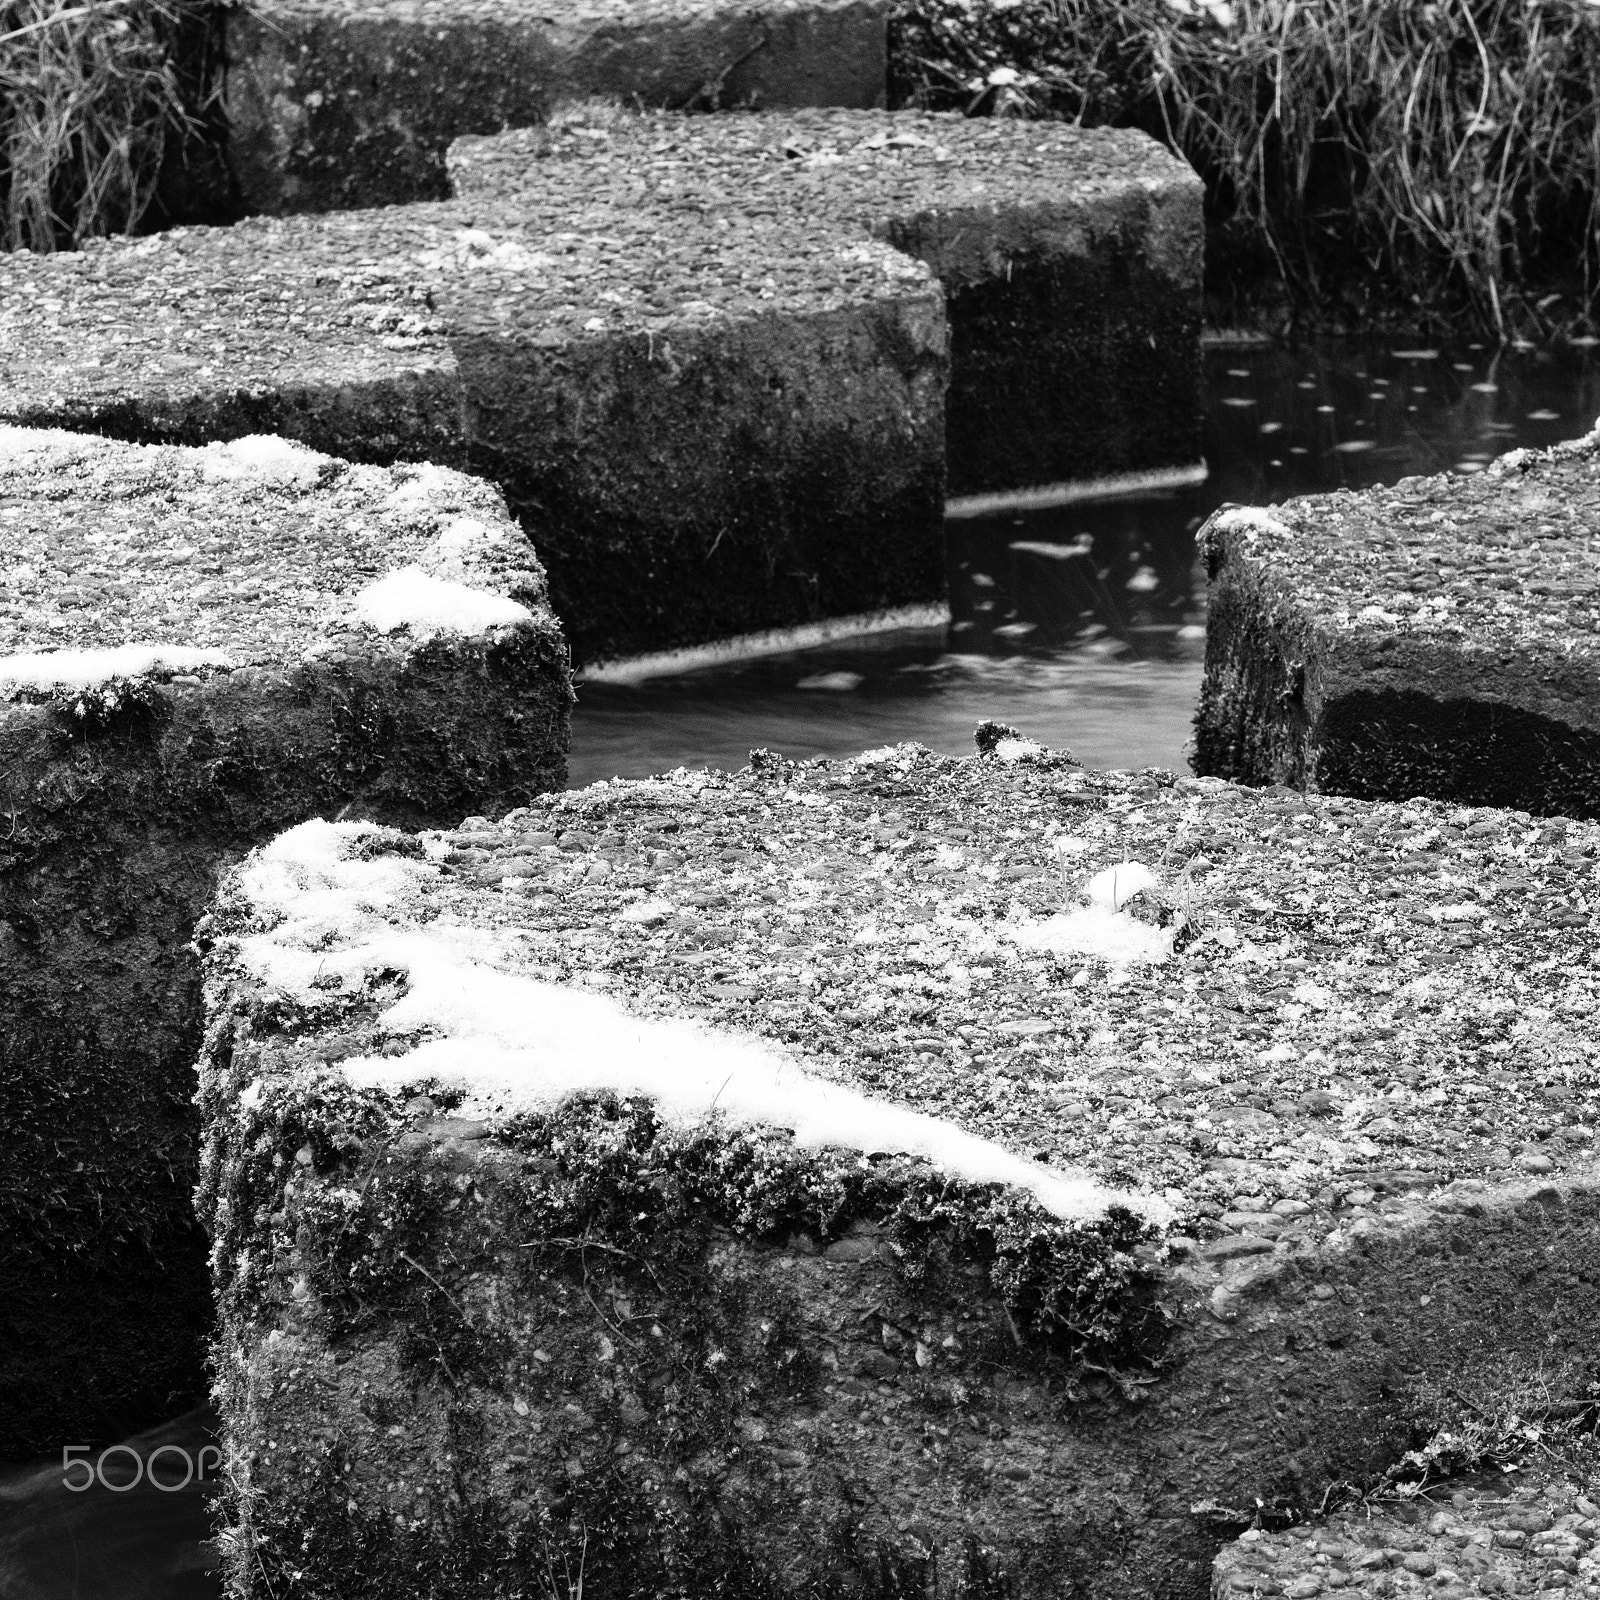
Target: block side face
x=775 y=56
x=1443 y=1296
x=117 y=841
x=1079 y=355
x=1494 y=749
x=1255 y=720
x=755 y=475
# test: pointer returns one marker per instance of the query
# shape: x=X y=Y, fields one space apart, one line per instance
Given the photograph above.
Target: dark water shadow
x=137 y=1529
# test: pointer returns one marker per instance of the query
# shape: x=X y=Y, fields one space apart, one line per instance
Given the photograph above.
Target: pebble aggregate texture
x=336 y=104
x=1528 y=1533
x=481 y=1325
x=195 y=654
x=1437 y=637
x=1070 y=257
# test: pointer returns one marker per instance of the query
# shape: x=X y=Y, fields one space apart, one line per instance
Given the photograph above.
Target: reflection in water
x=135 y=1532
x=1084 y=625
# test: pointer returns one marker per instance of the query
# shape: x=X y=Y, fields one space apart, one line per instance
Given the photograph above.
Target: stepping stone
x=1521 y=1532
x=333 y=105
x=1436 y=638
x=199 y=648
x=719 y=459
x=1070 y=257
x=707 y=431
x=901 y=1164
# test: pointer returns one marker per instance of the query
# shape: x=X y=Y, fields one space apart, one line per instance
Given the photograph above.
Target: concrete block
x=338 y=104
x=1434 y=638
x=197 y=649
x=762 y=1183
x=709 y=375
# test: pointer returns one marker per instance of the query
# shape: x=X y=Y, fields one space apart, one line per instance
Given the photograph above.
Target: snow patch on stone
x=417 y=600
x=53 y=671
x=1112 y=936
x=1250 y=519
x=1012 y=750
x=265 y=459
x=427 y=491
x=1115 y=886
x=514 y=1043
x=473 y=250
x=1101 y=927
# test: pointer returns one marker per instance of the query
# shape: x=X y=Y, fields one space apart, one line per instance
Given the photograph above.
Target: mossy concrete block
x=1438 y=638
x=705 y=435
x=1070 y=257
x=335 y=104
x=1228 y=1150
x=197 y=649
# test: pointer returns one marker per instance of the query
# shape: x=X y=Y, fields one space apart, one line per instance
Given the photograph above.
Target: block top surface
x=119 y=559
x=354 y=299
x=1497 y=562
x=839 y=167
x=1207 y=995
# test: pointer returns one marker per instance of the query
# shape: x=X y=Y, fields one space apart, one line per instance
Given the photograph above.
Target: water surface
x=1084 y=625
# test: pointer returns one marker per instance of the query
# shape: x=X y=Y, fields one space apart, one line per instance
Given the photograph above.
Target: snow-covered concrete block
x=956 y=1170
x=1070 y=257
x=334 y=104
x=1438 y=638
x=198 y=648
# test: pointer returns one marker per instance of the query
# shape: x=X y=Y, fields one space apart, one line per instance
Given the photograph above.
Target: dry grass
x=1448 y=150
x=92 y=95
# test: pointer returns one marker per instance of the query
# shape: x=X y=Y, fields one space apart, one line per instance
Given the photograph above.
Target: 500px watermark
x=129 y=1468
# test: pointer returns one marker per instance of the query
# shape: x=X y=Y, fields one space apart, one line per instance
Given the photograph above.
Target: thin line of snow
x=46 y=671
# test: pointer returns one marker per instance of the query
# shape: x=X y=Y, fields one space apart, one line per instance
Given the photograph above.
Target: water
x=1084 y=625
x=135 y=1530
